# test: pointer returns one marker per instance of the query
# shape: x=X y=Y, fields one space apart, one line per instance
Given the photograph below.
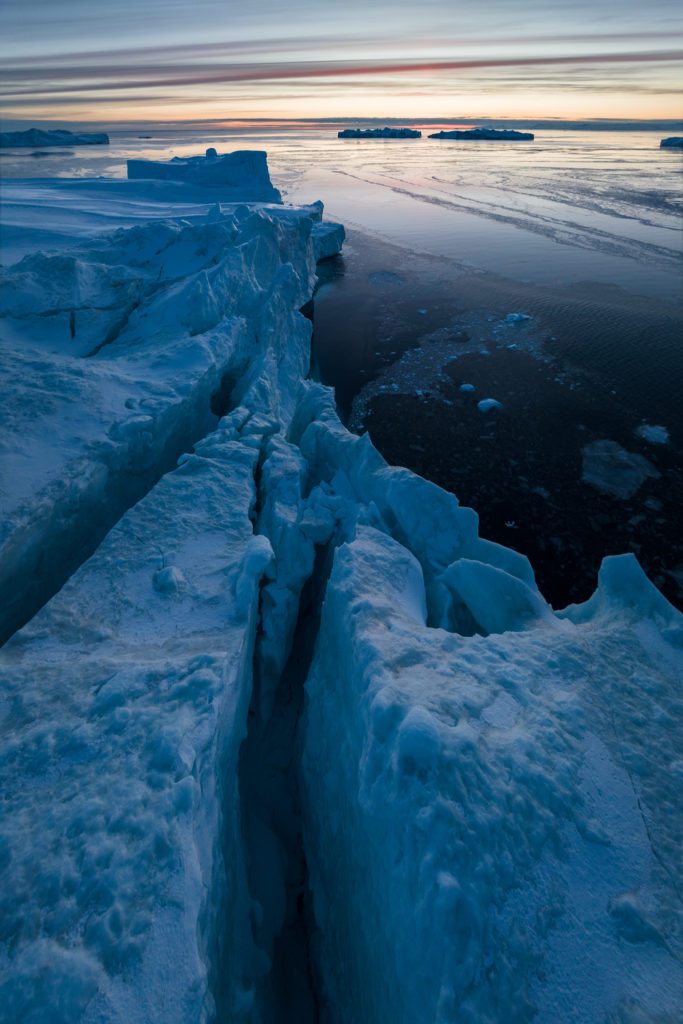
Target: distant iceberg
x=37 y=137
x=379 y=133
x=485 y=135
x=674 y=142
x=245 y=171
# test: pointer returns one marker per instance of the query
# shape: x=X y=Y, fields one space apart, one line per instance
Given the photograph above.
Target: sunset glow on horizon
x=172 y=62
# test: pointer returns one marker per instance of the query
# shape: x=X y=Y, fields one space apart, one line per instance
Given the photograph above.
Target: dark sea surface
x=545 y=275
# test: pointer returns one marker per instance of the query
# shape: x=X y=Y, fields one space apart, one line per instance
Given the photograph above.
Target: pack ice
x=283 y=739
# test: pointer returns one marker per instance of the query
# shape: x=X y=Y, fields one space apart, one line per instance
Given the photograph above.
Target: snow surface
x=486 y=792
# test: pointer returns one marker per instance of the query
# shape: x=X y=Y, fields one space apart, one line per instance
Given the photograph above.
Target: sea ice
x=486 y=785
x=487 y=404
x=36 y=137
x=653 y=433
x=611 y=469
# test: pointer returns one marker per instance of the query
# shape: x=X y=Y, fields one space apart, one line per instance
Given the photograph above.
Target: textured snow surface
x=479 y=806
x=508 y=846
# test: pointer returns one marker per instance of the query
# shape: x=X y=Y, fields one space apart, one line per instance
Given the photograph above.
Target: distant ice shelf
x=289 y=733
x=379 y=133
x=34 y=137
x=484 y=135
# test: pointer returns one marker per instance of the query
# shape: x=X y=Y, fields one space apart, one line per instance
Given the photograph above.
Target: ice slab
x=486 y=818
x=244 y=172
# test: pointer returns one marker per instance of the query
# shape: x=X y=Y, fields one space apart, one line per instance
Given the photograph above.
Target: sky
x=219 y=60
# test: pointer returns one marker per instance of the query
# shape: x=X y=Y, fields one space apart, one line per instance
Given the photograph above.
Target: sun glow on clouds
x=171 y=60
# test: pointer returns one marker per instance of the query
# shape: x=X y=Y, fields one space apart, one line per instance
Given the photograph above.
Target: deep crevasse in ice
x=489 y=791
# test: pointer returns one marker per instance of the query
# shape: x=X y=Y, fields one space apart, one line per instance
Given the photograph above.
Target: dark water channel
x=398 y=334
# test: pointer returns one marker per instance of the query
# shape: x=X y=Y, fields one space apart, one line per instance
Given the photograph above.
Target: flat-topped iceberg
x=485 y=135
x=34 y=137
x=243 y=172
x=379 y=133
x=673 y=142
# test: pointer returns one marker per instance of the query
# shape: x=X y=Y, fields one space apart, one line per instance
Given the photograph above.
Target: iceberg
x=244 y=172
x=673 y=142
x=379 y=133
x=485 y=135
x=279 y=728
x=35 y=137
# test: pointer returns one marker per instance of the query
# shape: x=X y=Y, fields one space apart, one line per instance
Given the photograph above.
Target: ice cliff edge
x=243 y=172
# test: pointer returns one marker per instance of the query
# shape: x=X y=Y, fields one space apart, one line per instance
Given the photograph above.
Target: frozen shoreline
x=475 y=719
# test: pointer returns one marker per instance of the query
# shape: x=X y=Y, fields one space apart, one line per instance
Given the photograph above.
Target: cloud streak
x=150 y=77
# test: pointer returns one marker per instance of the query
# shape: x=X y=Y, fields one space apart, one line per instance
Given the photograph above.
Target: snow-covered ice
x=483 y=793
x=244 y=171
x=34 y=137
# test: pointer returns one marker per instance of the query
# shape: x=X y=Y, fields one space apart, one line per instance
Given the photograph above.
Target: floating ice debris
x=467 y=387
x=488 y=403
x=516 y=318
x=422 y=312
x=611 y=469
x=654 y=433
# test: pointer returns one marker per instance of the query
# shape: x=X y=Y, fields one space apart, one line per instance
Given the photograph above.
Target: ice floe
x=612 y=470
x=654 y=433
